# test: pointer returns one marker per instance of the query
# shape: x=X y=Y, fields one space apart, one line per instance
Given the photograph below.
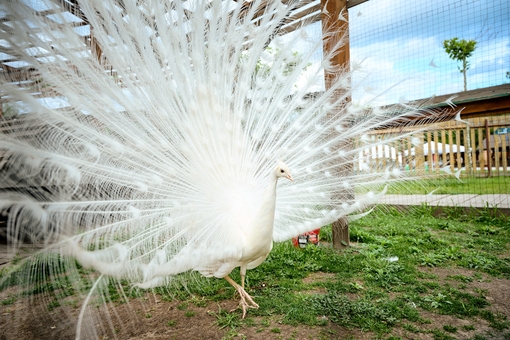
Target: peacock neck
x=270 y=193
x=269 y=202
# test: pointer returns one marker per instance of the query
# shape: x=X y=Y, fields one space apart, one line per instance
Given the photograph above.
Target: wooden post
x=451 y=154
x=436 y=152
x=468 y=152
x=472 y=153
x=504 y=155
x=330 y=12
x=429 y=152
x=488 y=147
x=444 y=145
x=457 y=140
x=95 y=48
x=482 y=156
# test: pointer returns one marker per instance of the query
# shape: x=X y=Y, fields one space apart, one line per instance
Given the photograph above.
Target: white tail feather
x=154 y=158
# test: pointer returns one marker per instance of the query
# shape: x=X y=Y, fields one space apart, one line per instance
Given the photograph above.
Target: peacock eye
x=282 y=171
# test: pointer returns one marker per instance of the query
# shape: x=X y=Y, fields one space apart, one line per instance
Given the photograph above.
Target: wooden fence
x=454 y=147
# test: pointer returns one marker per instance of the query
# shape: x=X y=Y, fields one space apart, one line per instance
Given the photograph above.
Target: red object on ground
x=304 y=239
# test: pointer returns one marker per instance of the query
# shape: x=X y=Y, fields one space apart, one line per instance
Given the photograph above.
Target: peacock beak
x=290 y=177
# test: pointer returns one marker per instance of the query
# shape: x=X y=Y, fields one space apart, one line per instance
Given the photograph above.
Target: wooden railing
x=450 y=146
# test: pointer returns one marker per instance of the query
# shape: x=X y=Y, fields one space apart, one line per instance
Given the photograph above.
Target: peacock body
x=156 y=147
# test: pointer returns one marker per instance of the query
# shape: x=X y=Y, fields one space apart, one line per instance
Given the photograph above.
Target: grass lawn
x=407 y=275
x=451 y=185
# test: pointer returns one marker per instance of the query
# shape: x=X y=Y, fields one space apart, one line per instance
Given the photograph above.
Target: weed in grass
x=431 y=284
x=225 y=319
x=486 y=262
x=479 y=337
x=148 y=316
x=52 y=305
x=450 y=328
x=423 y=210
x=488 y=230
x=468 y=328
x=355 y=287
x=171 y=323
x=249 y=322
x=431 y=259
x=276 y=330
x=189 y=313
x=198 y=301
x=414 y=250
x=411 y=328
x=360 y=236
x=435 y=301
x=490 y=215
x=265 y=322
x=183 y=306
x=452 y=253
x=370 y=315
x=326 y=234
x=455 y=213
x=388 y=275
x=9 y=300
x=462 y=286
x=497 y=321
x=461 y=278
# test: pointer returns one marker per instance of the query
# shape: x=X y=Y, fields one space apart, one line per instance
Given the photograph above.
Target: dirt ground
x=152 y=318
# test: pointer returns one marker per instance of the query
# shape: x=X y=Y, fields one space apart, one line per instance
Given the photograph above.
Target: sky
x=399 y=44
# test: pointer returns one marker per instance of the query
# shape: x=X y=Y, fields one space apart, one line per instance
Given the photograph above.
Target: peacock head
x=282 y=170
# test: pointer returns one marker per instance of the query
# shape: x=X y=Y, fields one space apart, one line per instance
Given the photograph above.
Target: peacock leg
x=246 y=300
x=242 y=271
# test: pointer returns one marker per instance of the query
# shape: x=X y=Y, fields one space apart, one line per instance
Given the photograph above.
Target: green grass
x=384 y=281
x=451 y=185
x=362 y=289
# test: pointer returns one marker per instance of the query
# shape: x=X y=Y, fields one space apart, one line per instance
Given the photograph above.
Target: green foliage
x=460 y=50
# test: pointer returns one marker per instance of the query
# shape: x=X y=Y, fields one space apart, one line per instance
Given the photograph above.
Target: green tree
x=460 y=50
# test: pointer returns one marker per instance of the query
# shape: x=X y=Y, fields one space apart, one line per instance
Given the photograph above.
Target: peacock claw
x=246 y=301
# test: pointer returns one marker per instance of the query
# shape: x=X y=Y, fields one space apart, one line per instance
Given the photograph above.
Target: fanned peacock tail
x=162 y=135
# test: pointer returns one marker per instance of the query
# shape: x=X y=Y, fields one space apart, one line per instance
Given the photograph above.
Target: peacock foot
x=246 y=301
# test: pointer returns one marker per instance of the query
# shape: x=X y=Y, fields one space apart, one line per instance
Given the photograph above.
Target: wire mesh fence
x=402 y=42
x=399 y=55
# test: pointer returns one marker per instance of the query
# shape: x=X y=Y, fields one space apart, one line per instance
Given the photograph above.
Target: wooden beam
x=330 y=12
x=485 y=107
x=352 y=3
x=296 y=22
